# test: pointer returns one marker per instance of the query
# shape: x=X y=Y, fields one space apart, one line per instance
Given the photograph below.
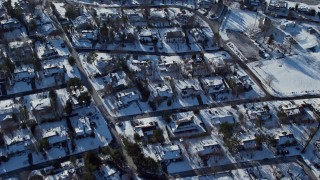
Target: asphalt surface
x=247 y=164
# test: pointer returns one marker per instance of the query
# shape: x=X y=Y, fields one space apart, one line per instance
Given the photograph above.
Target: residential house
x=88 y=35
x=17 y=142
x=145 y=129
x=82 y=127
x=48 y=51
x=160 y=91
x=83 y=21
x=144 y=67
x=249 y=143
x=169 y=153
x=214 y=86
x=147 y=37
x=10 y=24
x=188 y=88
x=197 y=67
x=74 y=101
x=252 y=4
x=256 y=112
x=175 y=37
x=53 y=71
x=277 y=8
x=218 y=117
x=105 y=65
x=169 y=67
x=293 y=111
x=286 y=139
x=206 y=4
x=59 y=11
x=25 y=74
x=56 y=135
x=219 y=65
x=20 y=51
x=209 y=148
x=41 y=20
x=126 y=97
x=158 y=18
x=136 y=19
x=219 y=62
x=7 y=114
x=185 y=125
x=117 y=80
x=108 y=172
x=42 y=110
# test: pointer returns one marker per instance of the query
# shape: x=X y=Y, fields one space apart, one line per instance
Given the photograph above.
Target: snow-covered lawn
x=239 y=20
x=295 y=75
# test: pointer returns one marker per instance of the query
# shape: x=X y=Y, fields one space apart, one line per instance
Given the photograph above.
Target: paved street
x=248 y=164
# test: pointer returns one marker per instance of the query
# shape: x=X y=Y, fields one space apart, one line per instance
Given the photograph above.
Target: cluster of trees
x=74 y=84
x=229 y=137
x=144 y=91
x=107 y=33
x=116 y=156
x=91 y=163
x=84 y=98
x=72 y=12
x=16 y=11
x=43 y=144
x=72 y=60
x=7 y=66
x=145 y=165
x=282 y=117
x=91 y=57
x=53 y=99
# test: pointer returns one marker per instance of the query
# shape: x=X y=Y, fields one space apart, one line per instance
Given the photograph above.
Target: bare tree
x=269 y=79
x=252 y=29
x=291 y=43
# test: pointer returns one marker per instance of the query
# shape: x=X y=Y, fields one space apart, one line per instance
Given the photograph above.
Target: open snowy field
x=239 y=20
x=295 y=75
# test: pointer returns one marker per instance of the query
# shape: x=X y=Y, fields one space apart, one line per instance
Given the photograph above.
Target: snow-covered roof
x=40 y=104
x=278 y=3
x=219 y=116
x=171 y=152
x=188 y=87
x=185 y=123
x=107 y=171
x=285 y=137
x=127 y=96
x=55 y=134
x=24 y=74
x=60 y=8
x=249 y=142
x=213 y=84
x=9 y=21
x=160 y=90
x=209 y=147
x=157 y=14
x=7 y=108
x=17 y=141
x=116 y=79
x=49 y=70
x=82 y=19
x=82 y=126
